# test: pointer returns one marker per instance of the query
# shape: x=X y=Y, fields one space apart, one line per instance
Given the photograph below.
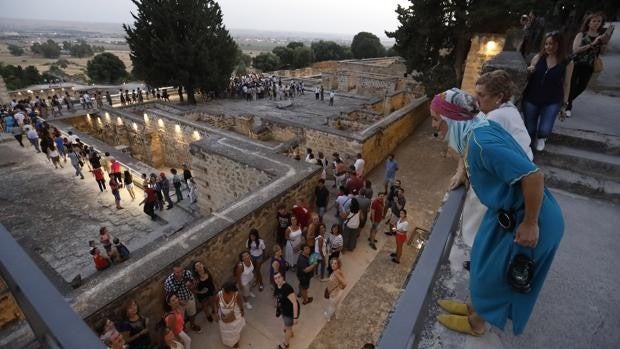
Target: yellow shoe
x=453 y=307
x=458 y=323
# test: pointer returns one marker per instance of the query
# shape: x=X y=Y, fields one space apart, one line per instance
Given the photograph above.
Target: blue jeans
x=539 y=119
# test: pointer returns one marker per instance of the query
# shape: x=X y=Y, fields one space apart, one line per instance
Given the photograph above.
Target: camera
x=521 y=273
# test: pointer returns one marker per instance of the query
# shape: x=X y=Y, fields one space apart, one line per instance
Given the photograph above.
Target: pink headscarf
x=458 y=110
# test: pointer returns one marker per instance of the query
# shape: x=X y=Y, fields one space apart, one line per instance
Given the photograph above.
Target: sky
x=317 y=16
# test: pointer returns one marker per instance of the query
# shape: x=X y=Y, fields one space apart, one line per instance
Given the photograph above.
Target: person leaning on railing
x=519 y=235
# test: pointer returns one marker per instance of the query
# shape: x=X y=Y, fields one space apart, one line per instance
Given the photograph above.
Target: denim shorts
x=288 y=321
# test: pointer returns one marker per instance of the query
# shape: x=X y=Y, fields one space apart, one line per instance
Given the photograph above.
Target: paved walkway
x=374 y=281
x=54 y=214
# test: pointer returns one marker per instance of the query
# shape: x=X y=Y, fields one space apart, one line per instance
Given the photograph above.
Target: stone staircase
x=582 y=162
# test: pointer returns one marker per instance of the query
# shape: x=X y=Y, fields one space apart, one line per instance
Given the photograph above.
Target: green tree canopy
x=302 y=57
x=17 y=77
x=329 y=50
x=182 y=43
x=106 y=68
x=285 y=54
x=266 y=61
x=367 y=45
x=295 y=55
x=48 y=49
x=16 y=50
x=81 y=49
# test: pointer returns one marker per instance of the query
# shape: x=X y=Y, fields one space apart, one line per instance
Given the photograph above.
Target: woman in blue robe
x=505 y=180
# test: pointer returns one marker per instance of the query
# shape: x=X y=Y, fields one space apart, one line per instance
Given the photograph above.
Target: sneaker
x=324 y=279
x=568 y=113
x=248 y=306
x=252 y=295
x=540 y=144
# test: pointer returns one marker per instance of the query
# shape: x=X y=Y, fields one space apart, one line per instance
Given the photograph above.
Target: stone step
x=586 y=140
x=584 y=162
x=582 y=184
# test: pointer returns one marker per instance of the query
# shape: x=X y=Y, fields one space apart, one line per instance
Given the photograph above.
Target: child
x=101 y=262
x=122 y=250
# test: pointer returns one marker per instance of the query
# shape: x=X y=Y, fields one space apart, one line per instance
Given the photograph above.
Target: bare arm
x=341 y=279
x=240 y=304
x=577 y=48
x=291 y=297
x=459 y=176
x=533 y=63
x=533 y=187
x=567 y=79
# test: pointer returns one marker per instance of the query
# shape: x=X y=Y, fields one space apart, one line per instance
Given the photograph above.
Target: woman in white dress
x=293 y=237
x=230 y=315
x=244 y=273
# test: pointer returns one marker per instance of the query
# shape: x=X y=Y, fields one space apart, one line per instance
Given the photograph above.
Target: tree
x=266 y=61
x=367 y=45
x=329 y=50
x=434 y=36
x=295 y=44
x=16 y=50
x=302 y=57
x=48 y=49
x=294 y=55
x=17 y=77
x=66 y=45
x=81 y=49
x=106 y=68
x=181 y=43
x=285 y=54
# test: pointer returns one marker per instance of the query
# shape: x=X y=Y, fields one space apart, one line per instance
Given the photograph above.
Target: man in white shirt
x=331 y=98
x=33 y=137
x=72 y=138
x=19 y=118
x=359 y=165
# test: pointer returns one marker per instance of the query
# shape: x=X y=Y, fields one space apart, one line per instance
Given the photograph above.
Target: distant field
x=76 y=65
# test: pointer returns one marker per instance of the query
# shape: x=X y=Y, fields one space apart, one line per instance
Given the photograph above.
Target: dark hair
x=368 y=184
x=355 y=206
x=116 y=240
x=102 y=230
x=167 y=305
x=254 y=232
x=229 y=286
x=403 y=210
x=196 y=272
x=585 y=26
x=173 y=170
x=322 y=181
x=557 y=40
x=128 y=304
x=338 y=228
x=127 y=175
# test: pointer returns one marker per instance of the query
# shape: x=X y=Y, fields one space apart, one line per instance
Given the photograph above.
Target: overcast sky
x=329 y=16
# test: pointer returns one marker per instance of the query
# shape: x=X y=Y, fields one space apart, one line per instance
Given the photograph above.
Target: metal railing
x=407 y=317
x=54 y=323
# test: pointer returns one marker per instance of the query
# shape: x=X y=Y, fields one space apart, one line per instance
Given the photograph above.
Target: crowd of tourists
x=305 y=249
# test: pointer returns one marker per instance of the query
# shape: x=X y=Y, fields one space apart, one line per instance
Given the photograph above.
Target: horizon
x=321 y=17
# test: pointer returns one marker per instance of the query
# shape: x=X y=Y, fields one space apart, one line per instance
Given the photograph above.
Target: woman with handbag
x=587 y=47
x=523 y=220
x=230 y=315
x=335 y=287
x=546 y=94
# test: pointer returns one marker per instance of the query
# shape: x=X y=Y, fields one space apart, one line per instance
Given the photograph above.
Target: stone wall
x=391 y=131
x=480 y=51
x=222 y=180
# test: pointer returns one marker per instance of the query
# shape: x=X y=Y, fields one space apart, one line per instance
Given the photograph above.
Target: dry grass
x=76 y=65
